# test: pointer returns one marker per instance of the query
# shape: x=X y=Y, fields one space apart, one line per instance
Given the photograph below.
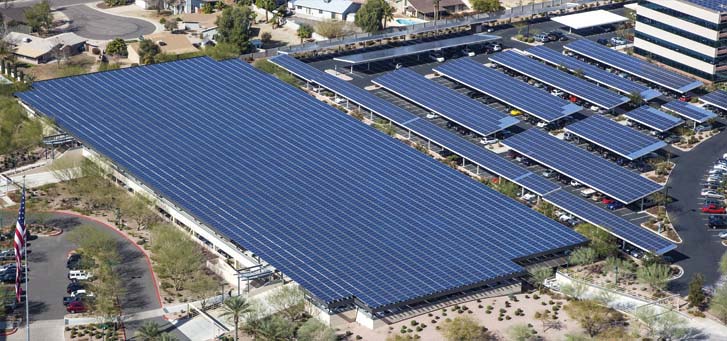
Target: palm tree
x=388 y=13
x=167 y=337
x=233 y=308
x=149 y=331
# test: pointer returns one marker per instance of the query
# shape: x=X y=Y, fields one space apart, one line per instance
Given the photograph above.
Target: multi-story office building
x=689 y=35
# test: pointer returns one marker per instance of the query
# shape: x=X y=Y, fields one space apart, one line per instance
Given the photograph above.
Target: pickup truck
x=587 y=192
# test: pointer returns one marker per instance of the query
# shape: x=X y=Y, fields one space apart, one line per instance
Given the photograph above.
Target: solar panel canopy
x=617 y=138
x=508 y=90
x=589 y=19
x=456 y=107
x=689 y=111
x=560 y=80
x=654 y=118
x=373 y=56
x=592 y=72
x=320 y=196
x=581 y=165
x=633 y=66
x=716 y=98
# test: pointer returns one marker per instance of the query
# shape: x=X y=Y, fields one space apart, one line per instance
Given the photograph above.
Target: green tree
x=314 y=330
x=507 y=188
x=387 y=14
x=696 y=294
x=539 y=275
x=167 y=337
x=117 y=47
x=583 y=256
x=575 y=290
x=139 y=208
x=655 y=275
x=207 y=8
x=593 y=317
x=267 y=5
x=718 y=304
x=370 y=16
x=149 y=331
x=175 y=255
x=233 y=27
x=486 y=6
x=39 y=17
x=222 y=51
x=276 y=328
x=202 y=286
x=148 y=51
x=330 y=28
x=234 y=308
x=636 y=99
x=304 y=32
x=463 y=328
x=520 y=332
x=602 y=242
x=289 y=300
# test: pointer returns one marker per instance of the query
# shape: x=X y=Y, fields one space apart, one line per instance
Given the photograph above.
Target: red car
x=713 y=209
x=685 y=98
x=607 y=201
x=76 y=307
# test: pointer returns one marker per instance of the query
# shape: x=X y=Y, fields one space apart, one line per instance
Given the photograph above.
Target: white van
x=81 y=275
x=587 y=192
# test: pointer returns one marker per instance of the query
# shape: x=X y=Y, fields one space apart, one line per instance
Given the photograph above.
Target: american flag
x=19 y=244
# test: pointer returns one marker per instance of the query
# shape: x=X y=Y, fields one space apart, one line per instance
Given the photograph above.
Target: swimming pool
x=407 y=22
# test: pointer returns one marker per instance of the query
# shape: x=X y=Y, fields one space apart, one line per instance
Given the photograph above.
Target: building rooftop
x=169 y=43
x=335 y=6
x=589 y=19
x=427 y=6
x=338 y=206
x=32 y=46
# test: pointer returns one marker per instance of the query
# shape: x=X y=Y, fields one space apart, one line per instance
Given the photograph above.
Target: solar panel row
x=560 y=80
x=690 y=112
x=618 y=138
x=716 y=98
x=632 y=65
x=461 y=109
x=592 y=72
x=346 y=230
x=581 y=165
x=505 y=89
x=654 y=118
x=620 y=227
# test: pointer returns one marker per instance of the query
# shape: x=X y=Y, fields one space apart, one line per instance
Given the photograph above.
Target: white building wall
x=676 y=39
x=676 y=22
x=675 y=56
x=686 y=7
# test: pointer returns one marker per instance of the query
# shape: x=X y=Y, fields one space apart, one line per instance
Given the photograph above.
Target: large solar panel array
x=372 y=56
x=654 y=118
x=568 y=83
x=583 y=166
x=456 y=107
x=314 y=192
x=618 y=138
x=592 y=72
x=508 y=90
x=620 y=227
x=690 y=112
x=632 y=65
x=716 y=98
x=484 y=158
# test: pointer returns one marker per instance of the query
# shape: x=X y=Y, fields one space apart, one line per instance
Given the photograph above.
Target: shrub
x=265 y=37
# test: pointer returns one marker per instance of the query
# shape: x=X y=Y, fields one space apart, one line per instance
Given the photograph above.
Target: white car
x=81 y=275
x=432 y=115
x=497 y=47
x=541 y=124
x=724 y=156
x=711 y=194
x=556 y=92
x=720 y=167
x=339 y=100
x=487 y=140
x=82 y=292
x=723 y=235
x=565 y=217
x=595 y=108
x=529 y=197
x=575 y=183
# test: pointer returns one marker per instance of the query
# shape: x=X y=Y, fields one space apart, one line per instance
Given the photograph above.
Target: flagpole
x=27 y=298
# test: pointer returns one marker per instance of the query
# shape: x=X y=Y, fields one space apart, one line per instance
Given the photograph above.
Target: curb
x=8 y=333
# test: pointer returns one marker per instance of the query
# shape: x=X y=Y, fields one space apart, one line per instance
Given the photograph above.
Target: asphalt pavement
x=94 y=24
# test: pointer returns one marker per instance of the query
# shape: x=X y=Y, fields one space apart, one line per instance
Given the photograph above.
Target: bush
x=96 y=51
x=531 y=40
x=265 y=37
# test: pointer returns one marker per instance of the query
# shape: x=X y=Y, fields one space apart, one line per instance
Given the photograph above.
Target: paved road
x=701 y=249
x=93 y=24
x=47 y=278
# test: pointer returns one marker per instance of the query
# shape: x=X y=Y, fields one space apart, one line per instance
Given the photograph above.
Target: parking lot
x=48 y=273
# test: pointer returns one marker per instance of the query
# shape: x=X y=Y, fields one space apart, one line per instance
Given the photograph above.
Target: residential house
x=424 y=9
x=202 y=24
x=325 y=9
x=37 y=50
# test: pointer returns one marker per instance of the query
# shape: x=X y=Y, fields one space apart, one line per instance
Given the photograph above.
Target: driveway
x=93 y=24
x=48 y=273
x=701 y=250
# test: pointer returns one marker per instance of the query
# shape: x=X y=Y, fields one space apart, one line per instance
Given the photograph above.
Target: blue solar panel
x=716 y=98
x=654 y=118
x=347 y=230
x=592 y=72
x=714 y=5
x=581 y=165
x=632 y=65
x=618 y=138
x=463 y=110
x=510 y=91
x=688 y=111
x=620 y=227
x=537 y=184
x=560 y=80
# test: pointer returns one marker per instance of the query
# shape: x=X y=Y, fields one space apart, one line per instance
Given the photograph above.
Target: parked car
x=73 y=261
x=466 y=52
x=607 y=200
x=515 y=112
x=616 y=41
x=81 y=275
x=671 y=138
x=73 y=286
x=76 y=307
x=703 y=127
x=717 y=221
x=723 y=235
x=685 y=98
x=602 y=41
x=68 y=299
x=614 y=205
x=432 y=115
x=713 y=209
x=496 y=47
x=556 y=92
x=7 y=254
x=487 y=140
x=541 y=37
x=82 y=293
x=541 y=124
x=9 y=276
x=529 y=197
x=555 y=35
x=711 y=194
x=437 y=56
x=548 y=173
x=575 y=184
